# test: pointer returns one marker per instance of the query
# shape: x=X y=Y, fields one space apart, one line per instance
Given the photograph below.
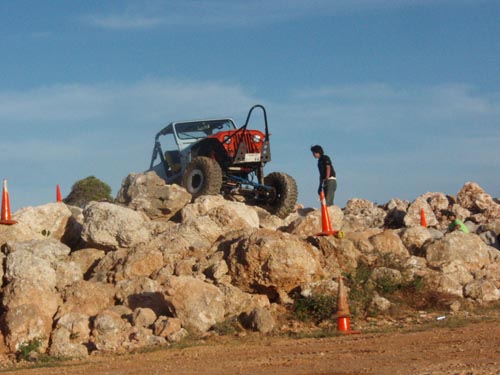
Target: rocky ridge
x=155 y=267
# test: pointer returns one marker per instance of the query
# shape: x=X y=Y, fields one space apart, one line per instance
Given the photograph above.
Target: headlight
x=257 y=138
x=227 y=139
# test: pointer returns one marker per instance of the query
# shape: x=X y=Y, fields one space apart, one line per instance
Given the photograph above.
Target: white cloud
x=234 y=13
x=125 y=21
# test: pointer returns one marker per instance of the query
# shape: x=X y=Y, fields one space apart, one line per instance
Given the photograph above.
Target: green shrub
x=315 y=308
x=87 y=190
x=26 y=348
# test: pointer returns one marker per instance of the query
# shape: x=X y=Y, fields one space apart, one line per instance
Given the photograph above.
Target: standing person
x=327 y=175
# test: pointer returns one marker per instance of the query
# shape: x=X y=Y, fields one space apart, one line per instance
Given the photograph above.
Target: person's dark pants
x=329 y=188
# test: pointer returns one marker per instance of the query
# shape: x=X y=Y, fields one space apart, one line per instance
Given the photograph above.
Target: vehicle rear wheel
x=203 y=176
x=284 y=196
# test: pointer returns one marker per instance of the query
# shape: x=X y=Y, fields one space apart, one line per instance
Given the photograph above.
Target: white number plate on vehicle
x=252 y=157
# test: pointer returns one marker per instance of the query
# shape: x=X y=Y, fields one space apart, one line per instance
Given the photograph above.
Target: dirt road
x=470 y=350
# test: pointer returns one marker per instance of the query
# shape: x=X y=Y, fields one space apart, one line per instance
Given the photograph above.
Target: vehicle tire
x=284 y=197
x=203 y=176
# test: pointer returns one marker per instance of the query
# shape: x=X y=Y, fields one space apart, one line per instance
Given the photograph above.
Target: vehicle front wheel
x=281 y=202
x=203 y=176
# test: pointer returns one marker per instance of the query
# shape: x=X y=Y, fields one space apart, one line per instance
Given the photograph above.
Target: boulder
x=51 y=219
x=311 y=223
x=20 y=232
x=166 y=326
x=142 y=292
x=108 y=226
x=457 y=271
x=396 y=211
x=62 y=345
x=389 y=242
x=271 y=263
x=482 y=291
x=143 y=317
x=149 y=193
x=414 y=239
x=21 y=292
x=197 y=304
x=23 y=264
x=437 y=201
x=476 y=200
x=70 y=337
x=223 y=212
x=259 y=320
x=48 y=249
x=465 y=247
x=236 y=301
x=337 y=254
x=86 y=259
x=86 y=297
x=26 y=324
x=67 y=273
x=414 y=215
x=141 y=261
x=360 y=214
x=109 y=331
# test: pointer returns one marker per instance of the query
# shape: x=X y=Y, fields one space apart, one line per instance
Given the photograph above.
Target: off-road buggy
x=215 y=157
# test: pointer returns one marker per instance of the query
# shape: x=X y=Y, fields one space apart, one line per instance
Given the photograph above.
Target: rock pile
x=154 y=267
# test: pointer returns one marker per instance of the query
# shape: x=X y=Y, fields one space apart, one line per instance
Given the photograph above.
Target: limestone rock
x=197 y=304
x=109 y=331
x=475 y=199
x=311 y=224
x=70 y=337
x=413 y=216
x=20 y=232
x=260 y=320
x=140 y=261
x=48 y=249
x=86 y=297
x=142 y=292
x=50 y=218
x=360 y=214
x=222 y=211
x=236 y=301
x=468 y=248
x=21 y=292
x=26 y=324
x=62 y=346
x=86 y=259
x=389 y=242
x=143 y=317
x=23 y=264
x=414 y=239
x=109 y=226
x=149 y=193
x=482 y=290
x=272 y=262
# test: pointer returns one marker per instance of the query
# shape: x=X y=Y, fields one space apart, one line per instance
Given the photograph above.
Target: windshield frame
x=194 y=130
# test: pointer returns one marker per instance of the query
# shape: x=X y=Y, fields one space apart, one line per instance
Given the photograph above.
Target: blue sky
x=404 y=95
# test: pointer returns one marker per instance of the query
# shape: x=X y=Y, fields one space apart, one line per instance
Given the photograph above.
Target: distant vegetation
x=87 y=190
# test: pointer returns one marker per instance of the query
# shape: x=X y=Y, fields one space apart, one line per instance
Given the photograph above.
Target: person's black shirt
x=323 y=161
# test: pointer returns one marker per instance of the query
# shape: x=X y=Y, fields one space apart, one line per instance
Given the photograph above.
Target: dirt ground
x=469 y=349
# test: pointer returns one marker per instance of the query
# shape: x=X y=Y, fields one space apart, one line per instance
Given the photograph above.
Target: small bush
x=86 y=190
x=29 y=347
x=315 y=308
x=227 y=327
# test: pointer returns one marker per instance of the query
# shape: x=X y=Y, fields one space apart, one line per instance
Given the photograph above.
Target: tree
x=86 y=190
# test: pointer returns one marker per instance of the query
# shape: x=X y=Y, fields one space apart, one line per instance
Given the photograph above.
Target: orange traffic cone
x=343 y=312
x=423 y=222
x=6 y=217
x=58 y=193
x=325 y=218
